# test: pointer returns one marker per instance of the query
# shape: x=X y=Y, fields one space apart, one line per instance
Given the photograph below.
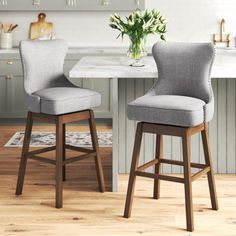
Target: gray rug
x=47 y=139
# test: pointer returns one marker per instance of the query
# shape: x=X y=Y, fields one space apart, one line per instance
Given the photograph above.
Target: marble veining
x=113 y=67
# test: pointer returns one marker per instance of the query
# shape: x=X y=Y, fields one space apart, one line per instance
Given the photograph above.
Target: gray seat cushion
x=167 y=109
x=62 y=100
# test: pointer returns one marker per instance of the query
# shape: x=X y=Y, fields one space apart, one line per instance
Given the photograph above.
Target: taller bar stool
x=179 y=104
x=51 y=97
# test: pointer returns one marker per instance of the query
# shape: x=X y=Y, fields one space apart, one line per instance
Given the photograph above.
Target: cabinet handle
x=105 y=2
x=69 y=2
x=3 y=2
x=36 y=2
x=9 y=77
x=9 y=62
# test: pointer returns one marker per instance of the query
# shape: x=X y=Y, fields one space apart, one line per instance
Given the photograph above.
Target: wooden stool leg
x=132 y=175
x=98 y=161
x=25 y=149
x=59 y=162
x=64 y=153
x=159 y=153
x=210 y=176
x=187 y=181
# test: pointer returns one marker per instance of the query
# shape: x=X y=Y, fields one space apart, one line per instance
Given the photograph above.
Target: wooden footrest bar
x=39 y=151
x=79 y=149
x=180 y=163
x=160 y=177
x=171 y=162
x=67 y=161
x=150 y=163
x=139 y=172
x=42 y=159
x=200 y=173
x=79 y=158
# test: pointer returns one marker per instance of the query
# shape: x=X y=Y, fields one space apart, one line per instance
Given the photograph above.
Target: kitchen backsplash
x=188 y=20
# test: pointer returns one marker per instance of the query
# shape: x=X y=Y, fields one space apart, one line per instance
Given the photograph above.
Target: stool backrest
x=184 y=69
x=42 y=63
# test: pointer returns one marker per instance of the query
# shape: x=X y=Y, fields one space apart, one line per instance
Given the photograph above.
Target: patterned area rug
x=47 y=139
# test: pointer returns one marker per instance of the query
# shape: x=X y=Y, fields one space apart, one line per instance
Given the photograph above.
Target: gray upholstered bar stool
x=51 y=97
x=179 y=104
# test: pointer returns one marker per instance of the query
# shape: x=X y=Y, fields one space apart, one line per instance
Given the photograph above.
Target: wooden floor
x=88 y=212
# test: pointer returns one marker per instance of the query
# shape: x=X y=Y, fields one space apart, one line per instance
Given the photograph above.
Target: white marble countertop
x=225 y=63
x=80 y=50
x=119 y=67
x=113 y=67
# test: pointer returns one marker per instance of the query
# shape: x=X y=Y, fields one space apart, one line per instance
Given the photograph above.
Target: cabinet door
x=67 y=67
x=100 y=85
x=108 y=5
x=71 y=5
x=32 y=5
x=12 y=5
x=103 y=86
x=15 y=97
x=3 y=95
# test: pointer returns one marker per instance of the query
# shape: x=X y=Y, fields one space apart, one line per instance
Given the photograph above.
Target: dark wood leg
x=98 y=161
x=64 y=153
x=59 y=162
x=187 y=181
x=210 y=176
x=25 y=149
x=132 y=175
x=159 y=153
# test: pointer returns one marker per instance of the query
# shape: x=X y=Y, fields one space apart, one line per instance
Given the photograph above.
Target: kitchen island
x=131 y=82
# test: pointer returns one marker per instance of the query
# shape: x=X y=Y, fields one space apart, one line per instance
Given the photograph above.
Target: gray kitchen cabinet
x=105 y=5
x=11 y=88
x=12 y=103
x=31 y=5
x=3 y=95
x=16 y=102
x=12 y=97
x=71 y=5
x=101 y=86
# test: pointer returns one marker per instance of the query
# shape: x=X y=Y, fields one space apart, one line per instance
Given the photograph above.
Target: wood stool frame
x=185 y=133
x=60 y=147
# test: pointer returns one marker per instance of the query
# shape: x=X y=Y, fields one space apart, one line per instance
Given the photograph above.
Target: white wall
x=189 y=20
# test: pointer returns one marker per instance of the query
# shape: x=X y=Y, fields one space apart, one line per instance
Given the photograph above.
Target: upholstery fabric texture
x=47 y=89
x=64 y=100
x=182 y=94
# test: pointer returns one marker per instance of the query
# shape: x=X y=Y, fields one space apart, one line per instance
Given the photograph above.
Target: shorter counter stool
x=51 y=97
x=179 y=104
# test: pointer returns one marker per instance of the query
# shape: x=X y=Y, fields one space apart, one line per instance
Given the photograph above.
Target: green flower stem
x=137 y=48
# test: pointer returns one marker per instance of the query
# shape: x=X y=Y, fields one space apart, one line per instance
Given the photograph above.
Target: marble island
x=127 y=83
x=119 y=67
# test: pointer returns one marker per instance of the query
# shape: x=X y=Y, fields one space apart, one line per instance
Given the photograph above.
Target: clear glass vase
x=136 y=51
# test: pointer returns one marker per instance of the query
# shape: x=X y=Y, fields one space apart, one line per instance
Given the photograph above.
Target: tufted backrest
x=184 y=69
x=42 y=64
